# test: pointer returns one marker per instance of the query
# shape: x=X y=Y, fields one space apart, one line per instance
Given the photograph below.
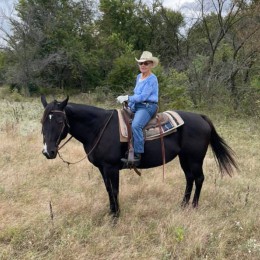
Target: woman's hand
x=122 y=99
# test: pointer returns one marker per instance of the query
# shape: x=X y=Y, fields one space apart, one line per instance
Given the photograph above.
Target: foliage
x=10 y=94
x=174 y=91
x=250 y=100
x=48 y=46
x=122 y=76
x=79 y=46
x=109 y=49
x=2 y=66
x=164 y=26
x=228 y=41
x=256 y=83
x=124 y=19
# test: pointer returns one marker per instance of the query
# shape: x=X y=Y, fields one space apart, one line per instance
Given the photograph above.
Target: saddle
x=161 y=124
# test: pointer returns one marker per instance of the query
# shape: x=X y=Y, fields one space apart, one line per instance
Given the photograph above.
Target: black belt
x=148 y=102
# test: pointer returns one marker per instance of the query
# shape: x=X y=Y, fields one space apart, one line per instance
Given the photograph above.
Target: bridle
x=66 y=123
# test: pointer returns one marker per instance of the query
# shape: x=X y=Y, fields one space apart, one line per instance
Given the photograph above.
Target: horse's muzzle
x=50 y=153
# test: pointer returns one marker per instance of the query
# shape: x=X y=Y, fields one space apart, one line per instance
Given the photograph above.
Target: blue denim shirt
x=145 y=91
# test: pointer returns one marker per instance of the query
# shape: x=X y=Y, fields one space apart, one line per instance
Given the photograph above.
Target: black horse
x=98 y=130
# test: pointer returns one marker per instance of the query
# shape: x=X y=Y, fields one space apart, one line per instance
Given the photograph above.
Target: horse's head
x=54 y=126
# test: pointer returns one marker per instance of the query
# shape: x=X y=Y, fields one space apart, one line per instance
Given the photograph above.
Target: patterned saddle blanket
x=169 y=122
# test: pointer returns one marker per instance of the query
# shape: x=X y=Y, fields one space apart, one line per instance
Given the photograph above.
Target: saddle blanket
x=169 y=122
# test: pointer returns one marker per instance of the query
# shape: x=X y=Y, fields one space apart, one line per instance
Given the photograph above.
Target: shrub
x=173 y=90
x=122 y=76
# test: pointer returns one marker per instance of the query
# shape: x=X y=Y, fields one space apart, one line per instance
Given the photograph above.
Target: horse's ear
x=44 y=102
x=64 y=103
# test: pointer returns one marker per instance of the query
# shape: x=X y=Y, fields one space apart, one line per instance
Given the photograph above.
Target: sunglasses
x=145 y=63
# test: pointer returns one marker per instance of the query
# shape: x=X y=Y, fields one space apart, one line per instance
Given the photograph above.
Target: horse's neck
x=85 y=124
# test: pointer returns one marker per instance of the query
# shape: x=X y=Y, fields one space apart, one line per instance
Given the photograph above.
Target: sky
x=6 y=4
x=174 y=4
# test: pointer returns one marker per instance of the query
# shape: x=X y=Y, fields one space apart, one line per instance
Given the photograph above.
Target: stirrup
x=131 y=163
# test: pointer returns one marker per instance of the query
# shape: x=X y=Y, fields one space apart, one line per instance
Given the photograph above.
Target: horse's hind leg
x=199 y=178
x=193 y=172
x=189 y=182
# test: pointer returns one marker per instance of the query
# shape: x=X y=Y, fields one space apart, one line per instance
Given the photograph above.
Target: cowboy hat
x=148 y=56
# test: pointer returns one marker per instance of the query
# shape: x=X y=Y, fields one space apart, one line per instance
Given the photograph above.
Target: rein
x=101 y=133
x=65 y=143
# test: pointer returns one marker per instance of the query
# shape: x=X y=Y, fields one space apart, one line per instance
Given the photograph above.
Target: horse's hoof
x=115 y=214
x=195 y=205
x=184 y=204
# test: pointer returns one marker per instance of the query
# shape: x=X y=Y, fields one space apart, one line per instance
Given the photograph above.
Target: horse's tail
x=223 y=153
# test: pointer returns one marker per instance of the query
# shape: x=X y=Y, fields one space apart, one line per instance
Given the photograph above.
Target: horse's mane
x=82 y=109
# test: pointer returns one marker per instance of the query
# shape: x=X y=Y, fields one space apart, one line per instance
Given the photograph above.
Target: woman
x=144 y=101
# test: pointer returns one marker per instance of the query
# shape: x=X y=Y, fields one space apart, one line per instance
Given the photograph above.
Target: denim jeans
x=143 y=114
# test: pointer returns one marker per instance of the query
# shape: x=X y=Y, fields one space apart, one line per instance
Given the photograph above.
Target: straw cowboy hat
x=148 y=56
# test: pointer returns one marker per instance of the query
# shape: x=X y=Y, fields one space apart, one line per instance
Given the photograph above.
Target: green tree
x=174 y=91
x=123 y=74
x=2 y=66
x=49 y=43
x=125 y=18
x=137 y=26
x=164 y=32
x=227 y=39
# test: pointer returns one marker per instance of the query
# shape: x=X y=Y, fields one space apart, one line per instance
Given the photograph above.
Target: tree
x=223 y=36
x=123 y=74
x=125 y=18
x=174 y=90
x=48 y=44
x=2 y=66
x=164 y=26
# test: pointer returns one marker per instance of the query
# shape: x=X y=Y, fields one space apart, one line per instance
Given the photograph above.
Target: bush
x=121 y=78
x=10 y=94
x=173 y=90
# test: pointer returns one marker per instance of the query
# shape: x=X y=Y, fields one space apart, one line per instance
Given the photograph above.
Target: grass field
x=51 y=211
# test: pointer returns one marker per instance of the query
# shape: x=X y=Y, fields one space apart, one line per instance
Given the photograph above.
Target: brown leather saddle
x=163 y=123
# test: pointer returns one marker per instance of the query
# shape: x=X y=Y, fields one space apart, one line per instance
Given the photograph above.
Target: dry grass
x=152 y=224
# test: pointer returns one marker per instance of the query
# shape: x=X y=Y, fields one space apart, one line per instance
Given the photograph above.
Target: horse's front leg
x=110 y=176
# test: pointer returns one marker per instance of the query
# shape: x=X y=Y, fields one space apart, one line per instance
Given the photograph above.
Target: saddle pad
x=168 y=127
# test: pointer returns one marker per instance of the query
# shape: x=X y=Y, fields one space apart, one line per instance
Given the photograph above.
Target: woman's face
x=145 y=66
